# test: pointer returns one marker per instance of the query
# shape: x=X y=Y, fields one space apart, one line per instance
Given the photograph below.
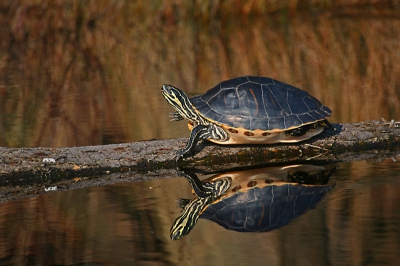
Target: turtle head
x=180 y=101
x=188 y=218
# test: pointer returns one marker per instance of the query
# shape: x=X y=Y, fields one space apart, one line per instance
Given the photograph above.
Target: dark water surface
x=356 y=223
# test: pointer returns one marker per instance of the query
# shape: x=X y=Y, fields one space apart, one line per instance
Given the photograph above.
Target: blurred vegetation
x=89 y=72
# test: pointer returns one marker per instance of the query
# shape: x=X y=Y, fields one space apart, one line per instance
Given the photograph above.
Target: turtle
x=248 y=110
x=257 y=200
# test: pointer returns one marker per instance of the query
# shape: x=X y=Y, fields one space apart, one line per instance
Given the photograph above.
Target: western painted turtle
x=248 y=110
x=257 y=200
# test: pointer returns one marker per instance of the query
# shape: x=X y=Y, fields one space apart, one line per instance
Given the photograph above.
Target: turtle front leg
x=201 y=189
x=199 y=132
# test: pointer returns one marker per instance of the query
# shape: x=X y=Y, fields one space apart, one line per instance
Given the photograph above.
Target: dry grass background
x=89 y=72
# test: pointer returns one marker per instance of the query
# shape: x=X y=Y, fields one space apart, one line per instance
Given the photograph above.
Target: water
x=355 y=223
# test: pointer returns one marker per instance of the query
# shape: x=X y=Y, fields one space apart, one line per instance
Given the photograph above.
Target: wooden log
x=151 y=155
x=30 y=171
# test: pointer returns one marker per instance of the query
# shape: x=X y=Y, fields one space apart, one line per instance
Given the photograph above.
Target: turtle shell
x=259 y=202
x=259 y=103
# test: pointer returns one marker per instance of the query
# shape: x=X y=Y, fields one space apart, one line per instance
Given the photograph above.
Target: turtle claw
x=175 y=116
x=183 y=202
x=178 y=155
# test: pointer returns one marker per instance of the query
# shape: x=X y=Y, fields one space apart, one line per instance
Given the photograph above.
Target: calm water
x=356 y=223
x=89 y=73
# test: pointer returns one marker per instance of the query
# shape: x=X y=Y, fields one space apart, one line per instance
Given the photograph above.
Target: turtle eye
x=170 y=91
x=172 y=95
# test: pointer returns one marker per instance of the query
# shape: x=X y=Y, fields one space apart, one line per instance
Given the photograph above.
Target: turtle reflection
x=257 y=200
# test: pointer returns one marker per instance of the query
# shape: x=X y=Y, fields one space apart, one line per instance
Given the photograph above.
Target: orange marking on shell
x=248 y=133
x=236 y=188
x=252 y=183
x=233 y=130
x=266 y=134
x=255 y=100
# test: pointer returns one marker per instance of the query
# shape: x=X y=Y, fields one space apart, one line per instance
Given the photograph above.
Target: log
x=152 y=155
x=47 y=166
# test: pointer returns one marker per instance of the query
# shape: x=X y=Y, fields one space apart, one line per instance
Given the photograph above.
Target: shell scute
x=326 y=110
x=310 y=102
x=216 y=116
x=229 y=120
x=262 y=80
x=257 y=123
x=233 y=83
x=293 y=120
x=227 y=100
x=317 y=116
x=240 y=121
x=276 y=122
x=250 y=100
x=198 y=102
x=277 y=100
x=305 y=118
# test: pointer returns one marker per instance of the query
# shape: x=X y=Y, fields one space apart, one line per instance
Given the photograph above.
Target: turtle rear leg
x=328 y=124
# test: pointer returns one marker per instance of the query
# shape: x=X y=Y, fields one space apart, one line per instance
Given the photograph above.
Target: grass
x=89 y=72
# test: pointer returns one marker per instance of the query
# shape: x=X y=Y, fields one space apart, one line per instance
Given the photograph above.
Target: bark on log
x=151 y=155
x=30 y=171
